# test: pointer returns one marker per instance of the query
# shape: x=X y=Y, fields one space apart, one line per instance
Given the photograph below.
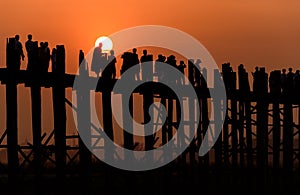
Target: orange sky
x=256 y=32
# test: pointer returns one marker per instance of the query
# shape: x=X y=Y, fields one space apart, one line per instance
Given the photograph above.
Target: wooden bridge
x=261 y=129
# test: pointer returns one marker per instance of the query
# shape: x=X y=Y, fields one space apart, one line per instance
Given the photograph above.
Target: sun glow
x=107 y=43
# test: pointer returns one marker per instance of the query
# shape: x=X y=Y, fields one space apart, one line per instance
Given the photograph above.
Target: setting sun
x=107 y=43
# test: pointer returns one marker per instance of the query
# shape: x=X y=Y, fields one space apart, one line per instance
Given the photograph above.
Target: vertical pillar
x=84 y=124
x=12 y=114
x=59 y=111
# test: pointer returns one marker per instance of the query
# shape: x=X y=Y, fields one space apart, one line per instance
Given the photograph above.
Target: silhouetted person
x=41 y=56
x=53 y=60
x=197 y=72
x=181 y=68
x=275 y=83
x=228 y=76
x=244 y=87
x=158 y=69
x=98 y=61
x=297 y=86
x=127 y=61
x=18 y=51
x=146 y=66
x=136 y=62
x=283 y=81
x=110 y=70
x=171 y=60
x=255 y=75
x=289 y=84
x=262 y=82
x=29 y=45
x=45 y=58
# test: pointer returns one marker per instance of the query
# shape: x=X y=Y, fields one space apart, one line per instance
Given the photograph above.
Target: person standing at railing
x=18 y=51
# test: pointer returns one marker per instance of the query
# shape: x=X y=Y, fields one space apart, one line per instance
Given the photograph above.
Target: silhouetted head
x=290 y=69
x=134 y=50
x=46 y=44
x=256 y=68
x=112 y=52
x=29 y=36
x=181 y=62
x=42 y=44
x=145 y=52
x=100 y=46
x=283 y=70
x=54 y=50
x=297 y=71
x=17 y=37
x=198 y=61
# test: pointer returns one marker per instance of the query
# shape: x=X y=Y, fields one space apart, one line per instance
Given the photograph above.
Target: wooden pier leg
x=288 y=137
x=249 y=134
x=262 y=141
x=288 y=149
x=59 y=111
x=192 y=147
x=107 y=121
x=36 y=126
x=225 y=139
x=276 y=136
x=217 y=105
x=299 y=135
x=147 y=101
x=241 y=132
x=205 y=123
x=128 y=137
x=84 y=112
x=164 y=126
x=12 y=129
x=12 y=117
x=234 y=135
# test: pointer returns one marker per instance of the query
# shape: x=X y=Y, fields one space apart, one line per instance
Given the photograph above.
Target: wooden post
x=234 y=123
x=12 y=114
x=276 y=135
x=288 y=137
x=192 y=147
x=36 y=122
x=217 y=101
x=59 y=111
x=147 y=101
x=107 y=118
x=128 y=137
x=205 y=123
x=249 y=133
x=191 y=68
x=275 y=94
x=84 y=112
x=170 y=118
x=164 y=127
x=299 y=132
x=35 y=89
x=262 y=127
x=225 y=138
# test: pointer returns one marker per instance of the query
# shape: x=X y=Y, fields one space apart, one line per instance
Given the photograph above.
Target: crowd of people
x=104 y=65
x=144 y=67
x=38 y=56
